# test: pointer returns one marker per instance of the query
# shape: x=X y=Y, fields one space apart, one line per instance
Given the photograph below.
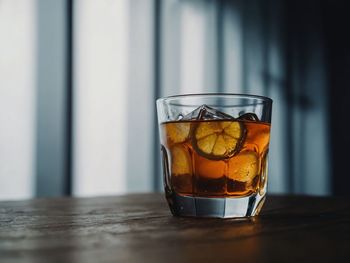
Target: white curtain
x=128 y=53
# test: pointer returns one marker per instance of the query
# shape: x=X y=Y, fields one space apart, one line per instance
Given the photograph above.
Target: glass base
x=225 y=207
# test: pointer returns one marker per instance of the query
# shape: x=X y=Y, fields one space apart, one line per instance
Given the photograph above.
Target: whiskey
x=215 y=158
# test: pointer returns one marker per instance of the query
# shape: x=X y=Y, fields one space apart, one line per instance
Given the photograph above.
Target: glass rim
x=236 y=95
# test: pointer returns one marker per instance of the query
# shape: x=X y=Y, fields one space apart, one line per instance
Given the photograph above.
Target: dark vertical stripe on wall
x=69 y=98
x=288 y=96
x=244 y=47
x=54 y=65
x=157 y=81
x=265 y=36
x=220 y=47
x=335 y=23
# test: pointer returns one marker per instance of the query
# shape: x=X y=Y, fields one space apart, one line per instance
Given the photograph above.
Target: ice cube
x=205 y=112
x=248 y=117
x=179 y=117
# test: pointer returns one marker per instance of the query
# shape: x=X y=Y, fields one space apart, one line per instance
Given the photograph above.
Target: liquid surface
x=215 y=158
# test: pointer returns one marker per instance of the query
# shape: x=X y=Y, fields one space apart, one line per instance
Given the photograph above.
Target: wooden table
x=139 y=228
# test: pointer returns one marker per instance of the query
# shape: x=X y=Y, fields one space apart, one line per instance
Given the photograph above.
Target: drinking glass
x=214 y=151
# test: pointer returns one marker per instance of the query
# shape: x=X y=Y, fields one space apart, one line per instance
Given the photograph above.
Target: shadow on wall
x=273 y=48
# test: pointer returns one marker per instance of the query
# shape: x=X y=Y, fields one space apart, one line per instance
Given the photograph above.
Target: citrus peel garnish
x=178 y=132
x=180 y=160
x=218 y=139
x=244 y=166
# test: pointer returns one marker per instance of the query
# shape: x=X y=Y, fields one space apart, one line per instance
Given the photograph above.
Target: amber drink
x=214 y=163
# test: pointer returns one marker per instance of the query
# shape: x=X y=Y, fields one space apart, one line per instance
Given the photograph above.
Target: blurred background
x=79 y=79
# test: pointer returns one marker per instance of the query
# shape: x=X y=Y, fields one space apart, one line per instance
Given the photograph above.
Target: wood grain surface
x=140 y=228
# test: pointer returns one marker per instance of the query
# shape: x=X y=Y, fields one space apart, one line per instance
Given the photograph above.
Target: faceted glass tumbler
x=214 y=151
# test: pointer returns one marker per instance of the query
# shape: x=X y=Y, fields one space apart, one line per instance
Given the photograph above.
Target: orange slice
x=180 y=160
x=244 y=166
x=218 y=139
x=258 y=134
x=210 y=169
x=178 y=132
